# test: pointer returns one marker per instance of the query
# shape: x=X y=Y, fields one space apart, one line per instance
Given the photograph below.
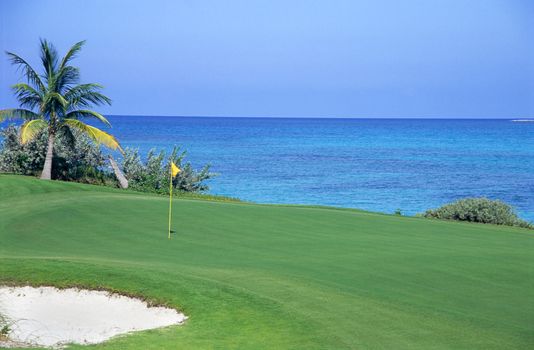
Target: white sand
x=52 y=317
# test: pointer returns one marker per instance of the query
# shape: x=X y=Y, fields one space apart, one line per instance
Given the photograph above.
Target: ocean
x=374 y=164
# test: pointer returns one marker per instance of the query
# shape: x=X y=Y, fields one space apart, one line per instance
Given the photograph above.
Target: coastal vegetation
x=152 y=173
x=55 y=143
x=81 y=160
x=256 y=276
x=482 y=210
x=75 y=159
x=55 y=103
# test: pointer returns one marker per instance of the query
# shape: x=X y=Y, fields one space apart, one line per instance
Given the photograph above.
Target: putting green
x=275 y=277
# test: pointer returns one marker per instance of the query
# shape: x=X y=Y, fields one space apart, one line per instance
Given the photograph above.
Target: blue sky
x=330 y=58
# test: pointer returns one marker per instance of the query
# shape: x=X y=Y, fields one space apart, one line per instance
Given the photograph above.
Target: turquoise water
x=374 y=164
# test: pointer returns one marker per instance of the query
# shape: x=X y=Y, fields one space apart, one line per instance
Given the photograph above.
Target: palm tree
x=54 y=101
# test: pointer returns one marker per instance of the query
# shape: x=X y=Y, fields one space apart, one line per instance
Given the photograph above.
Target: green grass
x=275 y=277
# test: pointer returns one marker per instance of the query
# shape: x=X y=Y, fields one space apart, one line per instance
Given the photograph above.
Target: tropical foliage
x=481 y=210
x=81 y=160
x=55 y=141
x=55 y=102
x=152 y=174
x=77 y=159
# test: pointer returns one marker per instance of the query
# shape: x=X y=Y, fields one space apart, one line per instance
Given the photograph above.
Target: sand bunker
x=53 y=317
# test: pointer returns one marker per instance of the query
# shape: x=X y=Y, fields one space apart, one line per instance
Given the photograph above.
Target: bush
x=481 y=210
x=5 y=327
x=77 y=159
x=152 y=175
x=81 y=160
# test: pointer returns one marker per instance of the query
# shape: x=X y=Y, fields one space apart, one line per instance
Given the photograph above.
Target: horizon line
x=317 y=117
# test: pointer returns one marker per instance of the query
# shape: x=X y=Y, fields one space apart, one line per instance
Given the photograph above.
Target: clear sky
x=330 y=58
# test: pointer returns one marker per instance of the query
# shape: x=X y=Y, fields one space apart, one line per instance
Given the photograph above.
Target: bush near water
x=152 y=174
x=482 y=210
x=75 y=159
x=79 y=159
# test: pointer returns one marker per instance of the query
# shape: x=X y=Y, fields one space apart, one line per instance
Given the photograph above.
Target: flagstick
x=170 y=204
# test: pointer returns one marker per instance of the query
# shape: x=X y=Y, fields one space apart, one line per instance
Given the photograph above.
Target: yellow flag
x=174 y=169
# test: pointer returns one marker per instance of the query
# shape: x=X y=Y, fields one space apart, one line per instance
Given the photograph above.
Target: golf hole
x=51 y=317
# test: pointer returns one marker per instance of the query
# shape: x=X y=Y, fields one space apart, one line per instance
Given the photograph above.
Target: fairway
x=253 y=276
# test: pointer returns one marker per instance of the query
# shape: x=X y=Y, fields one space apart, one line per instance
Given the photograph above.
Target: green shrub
x=481 y=210
x=4 y=327
x=4 y=330
x=153 y=174
x=77 y=159
x=80 y=160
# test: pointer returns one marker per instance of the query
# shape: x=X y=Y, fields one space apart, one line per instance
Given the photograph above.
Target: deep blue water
x=373 y=164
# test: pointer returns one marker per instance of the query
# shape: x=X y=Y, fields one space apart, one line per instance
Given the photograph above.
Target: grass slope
x=275 y=277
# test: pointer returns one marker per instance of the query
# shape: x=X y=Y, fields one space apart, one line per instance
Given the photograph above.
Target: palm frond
x=73 y=51
x=82 y=113
x=97 y=135
x=27 y=95
x=65 y=77
x=31 y=75
x=30 y=129
x=86 y=95
x=50 y=100
x=49 y=60
x=17 y=113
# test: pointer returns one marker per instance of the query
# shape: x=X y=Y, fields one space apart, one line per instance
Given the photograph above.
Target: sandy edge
x=151 y=302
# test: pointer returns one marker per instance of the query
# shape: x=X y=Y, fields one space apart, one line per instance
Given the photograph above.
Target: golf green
x=253 y=276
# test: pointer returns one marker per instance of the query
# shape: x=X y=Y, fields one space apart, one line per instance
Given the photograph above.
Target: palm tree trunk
x=47 y=168
x=123 y=182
